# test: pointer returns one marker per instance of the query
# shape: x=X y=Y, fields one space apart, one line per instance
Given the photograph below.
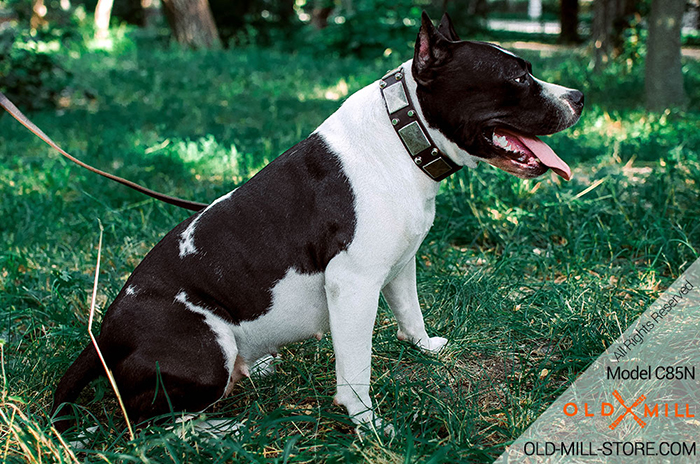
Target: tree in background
x=263 y=22
x=320 y=12
x=568 y=14
x=610 y=19
x=663 y=72
x=142 y=13
x=192 y=23
x=103 y=11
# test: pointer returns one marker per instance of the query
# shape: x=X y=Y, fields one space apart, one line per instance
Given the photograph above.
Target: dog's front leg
x=352 y=307
x=402 y=296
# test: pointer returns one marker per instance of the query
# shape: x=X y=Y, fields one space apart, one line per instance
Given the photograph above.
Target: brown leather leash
x=17 y=114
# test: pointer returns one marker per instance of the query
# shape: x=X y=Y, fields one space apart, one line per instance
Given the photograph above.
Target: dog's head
x=486 y=100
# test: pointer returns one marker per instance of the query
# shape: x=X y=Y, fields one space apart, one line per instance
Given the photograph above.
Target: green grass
x=530 y=280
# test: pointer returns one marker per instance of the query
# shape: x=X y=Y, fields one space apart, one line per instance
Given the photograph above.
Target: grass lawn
x=529 y=280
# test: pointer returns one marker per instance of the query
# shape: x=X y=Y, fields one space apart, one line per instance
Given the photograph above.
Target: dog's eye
x=521 y=79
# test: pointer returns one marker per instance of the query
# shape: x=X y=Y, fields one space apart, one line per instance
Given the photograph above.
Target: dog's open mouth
x=524 y=155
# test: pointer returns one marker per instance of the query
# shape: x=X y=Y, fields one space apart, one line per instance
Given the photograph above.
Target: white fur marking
x=395 y=207
x=187 y=240
x=131 y=291
x=222 y=329
x=187 y=237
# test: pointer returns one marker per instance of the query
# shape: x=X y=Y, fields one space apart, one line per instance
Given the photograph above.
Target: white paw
x=434 y=345
x=263 y=367
x=219 y=428
x=370 y=425
x=377 y=428
x=191 y=424
x=425 y=343
x=84 y=439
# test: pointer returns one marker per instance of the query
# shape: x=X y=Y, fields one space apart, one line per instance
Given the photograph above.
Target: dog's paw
x=263 y=367
x=369 y=425
x=427 y=344
x=434 y=344
x=376 y=428
x=200 y=425
x=84 y=438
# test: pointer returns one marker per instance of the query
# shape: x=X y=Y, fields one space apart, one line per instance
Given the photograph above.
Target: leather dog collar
x=409 y=128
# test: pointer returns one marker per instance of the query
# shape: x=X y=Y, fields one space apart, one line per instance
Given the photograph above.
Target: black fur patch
x=298 y=212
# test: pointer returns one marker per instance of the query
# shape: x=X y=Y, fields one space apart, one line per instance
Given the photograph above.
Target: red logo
x=607 y=409
x=628 y=410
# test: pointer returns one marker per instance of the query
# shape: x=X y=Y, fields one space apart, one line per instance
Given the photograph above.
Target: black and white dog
x=308 y=244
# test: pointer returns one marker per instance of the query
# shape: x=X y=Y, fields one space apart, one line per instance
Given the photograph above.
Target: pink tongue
x=543 y=152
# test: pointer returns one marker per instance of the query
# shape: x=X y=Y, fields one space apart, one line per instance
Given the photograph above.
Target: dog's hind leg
x=402 y=296
x=190 y=378
x=175 y=356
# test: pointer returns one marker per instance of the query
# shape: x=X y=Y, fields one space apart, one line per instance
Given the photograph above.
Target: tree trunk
x=663 y=73
x=569 y=22
x=609 y=21
x=192 y=23
x=103 y=11
x=319 y=17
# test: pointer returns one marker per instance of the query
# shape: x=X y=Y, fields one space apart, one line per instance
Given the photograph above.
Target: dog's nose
x=576 y=98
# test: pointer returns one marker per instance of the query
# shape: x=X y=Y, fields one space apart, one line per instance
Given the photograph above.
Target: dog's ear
x=447 y=29
x=431 y=51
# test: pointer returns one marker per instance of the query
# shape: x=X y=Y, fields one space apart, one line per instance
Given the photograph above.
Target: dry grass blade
x=31 y=443
x=24 y=438
x=94 y=340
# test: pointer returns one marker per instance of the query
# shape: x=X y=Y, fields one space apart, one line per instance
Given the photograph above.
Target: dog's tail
x=85 y=369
